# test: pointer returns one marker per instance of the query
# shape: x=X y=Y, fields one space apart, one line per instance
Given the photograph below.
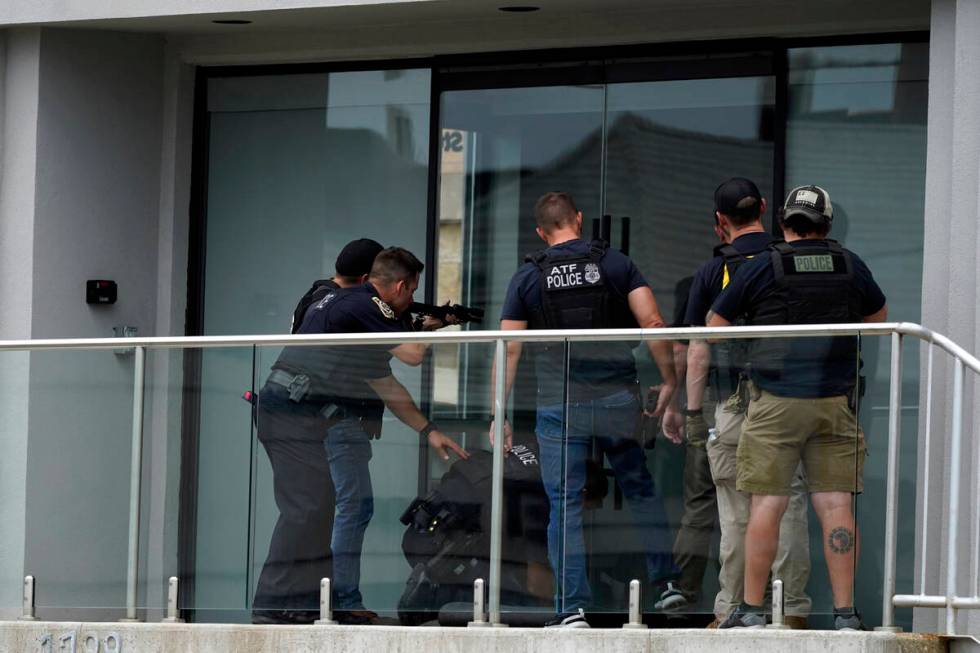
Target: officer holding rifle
x=317 y=414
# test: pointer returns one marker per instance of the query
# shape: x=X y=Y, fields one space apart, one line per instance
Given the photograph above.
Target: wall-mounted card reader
x=100 y=291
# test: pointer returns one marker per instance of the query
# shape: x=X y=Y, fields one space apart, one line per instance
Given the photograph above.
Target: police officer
x=574 y=284
x=351 y=269
x=802 y=395
x=739 y=207
x=339 y=392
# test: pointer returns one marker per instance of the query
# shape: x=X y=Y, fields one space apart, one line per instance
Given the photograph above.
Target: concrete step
x=75 y=637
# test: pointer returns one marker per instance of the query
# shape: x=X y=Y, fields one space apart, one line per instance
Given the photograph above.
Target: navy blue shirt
x=339 y=373
x=591 y=375
x=711 y=277
x=799 y=376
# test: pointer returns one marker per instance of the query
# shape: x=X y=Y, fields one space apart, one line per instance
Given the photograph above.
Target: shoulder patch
x=384 y=308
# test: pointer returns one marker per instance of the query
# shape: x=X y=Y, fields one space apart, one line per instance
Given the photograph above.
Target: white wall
x=18 y=132
x=96 y=216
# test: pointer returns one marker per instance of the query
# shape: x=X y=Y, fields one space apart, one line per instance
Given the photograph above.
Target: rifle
x=462 y=314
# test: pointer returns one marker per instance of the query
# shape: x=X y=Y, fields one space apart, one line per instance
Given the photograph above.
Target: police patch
x=384 y=308
x=592 y=273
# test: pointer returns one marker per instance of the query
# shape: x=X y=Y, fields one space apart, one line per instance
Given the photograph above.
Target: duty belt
x=298 y=386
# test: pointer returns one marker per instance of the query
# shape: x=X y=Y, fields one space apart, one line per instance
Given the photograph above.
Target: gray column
x=951 y=274
x=19 y=76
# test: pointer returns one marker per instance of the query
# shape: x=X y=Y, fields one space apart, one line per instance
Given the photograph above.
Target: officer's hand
x=450 y=319
x=508 y=436
x=665 y=394
x=440 y=442
x=697 y=431
x=673 y=424
x=430 y=323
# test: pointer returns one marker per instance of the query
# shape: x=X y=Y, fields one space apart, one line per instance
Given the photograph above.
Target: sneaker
x=672 y=599
x=361 y=617
x=569 y=620
x=847 y=619
x=745 y=616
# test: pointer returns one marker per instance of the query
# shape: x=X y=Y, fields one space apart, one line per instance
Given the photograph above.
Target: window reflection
x=857 y=127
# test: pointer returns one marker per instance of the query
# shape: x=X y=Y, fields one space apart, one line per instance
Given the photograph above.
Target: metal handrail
x=896 y=330
x=542 y=335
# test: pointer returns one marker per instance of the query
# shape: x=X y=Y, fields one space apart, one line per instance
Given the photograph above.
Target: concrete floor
x=49 y=637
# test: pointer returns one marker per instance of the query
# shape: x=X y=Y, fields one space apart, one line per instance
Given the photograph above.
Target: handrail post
x=891 y=487
x=173 y=613
x=326 y=605
x=497 y=482
x=28 y=598
x=952 y=553
x=479 y=607
x=135 y=480
x=778 y=604
x=926 y=462
x=635 y=618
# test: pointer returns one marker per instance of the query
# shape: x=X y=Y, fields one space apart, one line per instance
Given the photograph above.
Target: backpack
x=447 y=535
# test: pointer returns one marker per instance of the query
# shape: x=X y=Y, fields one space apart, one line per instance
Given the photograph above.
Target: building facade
x=212 y=158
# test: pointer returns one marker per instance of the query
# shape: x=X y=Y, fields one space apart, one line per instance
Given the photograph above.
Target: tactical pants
x=693 y=543
x=299 y=552
x=792 y=563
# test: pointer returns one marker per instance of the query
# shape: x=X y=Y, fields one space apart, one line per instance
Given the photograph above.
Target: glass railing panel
x=779 y=419
x=78 y=417
x=345 y=489
x=622 y=488
x=870 y=505
x=14 y=438
x=217 y=442
x=526 y=586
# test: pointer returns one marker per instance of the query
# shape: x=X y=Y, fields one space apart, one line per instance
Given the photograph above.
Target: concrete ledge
x=28 y=637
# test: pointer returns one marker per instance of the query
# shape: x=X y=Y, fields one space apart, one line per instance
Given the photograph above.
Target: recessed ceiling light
x=232 y=21
x=519 y=9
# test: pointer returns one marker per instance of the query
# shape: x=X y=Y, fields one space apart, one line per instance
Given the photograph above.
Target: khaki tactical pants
x=792 y=564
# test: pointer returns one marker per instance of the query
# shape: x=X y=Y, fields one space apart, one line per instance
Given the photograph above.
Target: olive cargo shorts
x=779 y=432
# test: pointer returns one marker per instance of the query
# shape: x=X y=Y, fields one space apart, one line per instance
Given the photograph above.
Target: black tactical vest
x=574 y=292
x=320 y=289
x=814 y=284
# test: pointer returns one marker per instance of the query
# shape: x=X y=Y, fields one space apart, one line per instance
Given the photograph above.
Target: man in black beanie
x=352 y=268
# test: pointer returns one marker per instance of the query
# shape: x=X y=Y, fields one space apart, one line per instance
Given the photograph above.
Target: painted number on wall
x=69 y=643
x=452 y=141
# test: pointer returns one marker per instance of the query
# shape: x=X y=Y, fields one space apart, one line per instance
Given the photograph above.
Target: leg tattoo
x=841 y=540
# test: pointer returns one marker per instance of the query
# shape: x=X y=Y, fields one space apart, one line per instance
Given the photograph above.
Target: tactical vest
x=320 y=289
x=729 y=358
x=813 y=284
x=574 y=293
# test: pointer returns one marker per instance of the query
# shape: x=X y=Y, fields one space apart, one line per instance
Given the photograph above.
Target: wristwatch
x=427 y=429
x=692 y=412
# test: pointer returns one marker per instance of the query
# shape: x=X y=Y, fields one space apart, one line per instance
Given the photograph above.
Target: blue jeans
x=348 y=452
x=611 y=420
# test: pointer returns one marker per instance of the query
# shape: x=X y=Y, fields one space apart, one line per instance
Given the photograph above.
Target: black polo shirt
x=712 y=276
x=340 y=373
